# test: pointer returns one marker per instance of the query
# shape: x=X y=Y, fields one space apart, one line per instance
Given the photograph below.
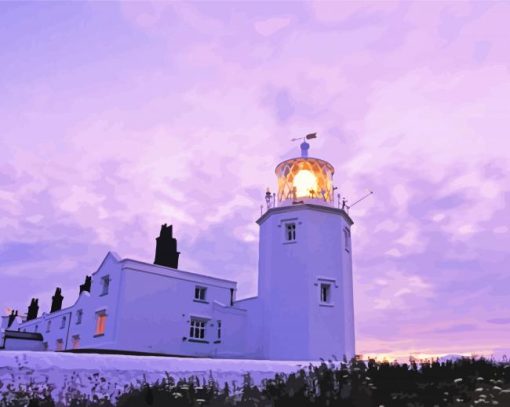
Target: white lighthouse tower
x=305 y=290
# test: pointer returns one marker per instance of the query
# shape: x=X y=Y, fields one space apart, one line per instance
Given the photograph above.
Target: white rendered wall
x=23 y=344
x=90 y=304
x=158 y=303
x=148 y=309
x=254 y=334
x=295 y=324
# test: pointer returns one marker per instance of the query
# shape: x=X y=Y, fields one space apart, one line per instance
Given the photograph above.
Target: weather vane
x=304 y=145
x=307 y=137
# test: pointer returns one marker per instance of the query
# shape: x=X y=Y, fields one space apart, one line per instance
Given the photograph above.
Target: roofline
x=45 y=316
x=246 y=299
x=179 y=271
x=320 y=208
x=30 y=336
x=306 y=158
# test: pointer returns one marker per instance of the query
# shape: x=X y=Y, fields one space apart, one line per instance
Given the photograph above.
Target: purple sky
x=117 y=117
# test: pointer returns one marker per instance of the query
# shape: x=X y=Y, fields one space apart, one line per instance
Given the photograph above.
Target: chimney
x=33 y=309
x=86 y=285
x=56 y=300
x=166 y=248
x=12 y=317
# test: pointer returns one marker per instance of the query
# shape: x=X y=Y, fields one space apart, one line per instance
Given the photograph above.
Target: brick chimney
x=166 y=248
x=56 y=300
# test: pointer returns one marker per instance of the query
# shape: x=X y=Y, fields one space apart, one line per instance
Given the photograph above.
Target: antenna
x=361 y=199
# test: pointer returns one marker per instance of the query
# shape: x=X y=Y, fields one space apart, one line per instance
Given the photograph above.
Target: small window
x=79 y=316
x=200 y=293
x=100 y=322
x=60 y=345
x=76 y=341
x=48 y=326
x=326 y=293
x=219 y=330
x=105 y=281
x=36 y=328
x=347 y=238
x=290 y=232
x=197 y=328
x=63 y=323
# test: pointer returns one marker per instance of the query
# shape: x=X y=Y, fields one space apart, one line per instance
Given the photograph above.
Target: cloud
x=179 y=114
x=457 y=328
x=499 y=321
x=270 y=26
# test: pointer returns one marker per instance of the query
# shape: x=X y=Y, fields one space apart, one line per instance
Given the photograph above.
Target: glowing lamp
x=305 y=178
x=305 y=183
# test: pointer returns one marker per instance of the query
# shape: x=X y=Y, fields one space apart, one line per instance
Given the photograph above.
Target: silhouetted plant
x=460 y=383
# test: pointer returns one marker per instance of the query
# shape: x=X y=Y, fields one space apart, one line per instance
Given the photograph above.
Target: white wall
x=148 y=309
x=89 y=303
x=254 y=334
x=23 y=344
x=295 y=325
x=157 y=304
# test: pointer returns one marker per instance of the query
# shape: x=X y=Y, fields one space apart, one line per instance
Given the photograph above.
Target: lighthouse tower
x=305 y=288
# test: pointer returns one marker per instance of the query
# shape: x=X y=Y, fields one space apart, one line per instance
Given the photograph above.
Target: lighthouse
x=303 y=310
x=305 y=289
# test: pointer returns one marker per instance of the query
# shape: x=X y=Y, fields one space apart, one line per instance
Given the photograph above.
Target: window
x=219 y=330
x=36 y=328
x=200 y=293
x=45 y=345
x=63 y=323
x=79 y=316
x=48 y=326
x=347 y=238
x=60 y=345
x=105 y=281
x=290 y=232
x=100 y=322
x=76 y=341
x=197 y=328
x=325 y=293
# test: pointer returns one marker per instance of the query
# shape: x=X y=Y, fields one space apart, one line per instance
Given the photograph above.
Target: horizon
x=119 y=117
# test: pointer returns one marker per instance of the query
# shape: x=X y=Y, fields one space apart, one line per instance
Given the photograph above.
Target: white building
x=303 y=311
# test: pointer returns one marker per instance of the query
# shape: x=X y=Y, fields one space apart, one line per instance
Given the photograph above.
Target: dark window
x=290 y=232
x=200 y=293
x=197 y=328
x=79 y=316
x=219 y=329
x=326 y=293
x=105 y=285
x=347 y=237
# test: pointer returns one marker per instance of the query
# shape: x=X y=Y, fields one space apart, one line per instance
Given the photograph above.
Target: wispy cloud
x=125 y=116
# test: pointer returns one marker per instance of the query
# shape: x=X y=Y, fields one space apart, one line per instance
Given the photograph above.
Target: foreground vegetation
x=465 y=382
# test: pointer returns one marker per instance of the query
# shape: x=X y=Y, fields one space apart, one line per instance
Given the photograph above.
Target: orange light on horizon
x=419 y=356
